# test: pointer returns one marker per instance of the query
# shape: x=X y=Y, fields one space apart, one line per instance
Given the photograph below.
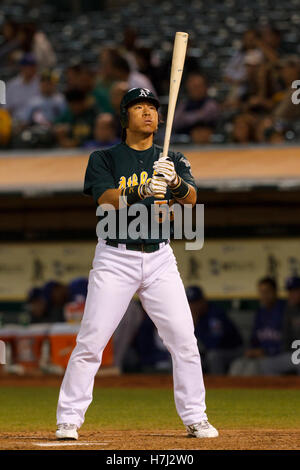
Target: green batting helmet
x=134 y=96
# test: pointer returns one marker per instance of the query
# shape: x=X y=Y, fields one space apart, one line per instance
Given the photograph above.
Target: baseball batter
x=128 y=173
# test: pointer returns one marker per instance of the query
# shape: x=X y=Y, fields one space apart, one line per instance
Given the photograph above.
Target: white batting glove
x=156 y=185
x=165 y=167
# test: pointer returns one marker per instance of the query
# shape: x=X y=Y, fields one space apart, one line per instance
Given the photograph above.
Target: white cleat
x=67 y=431
x=202 y=429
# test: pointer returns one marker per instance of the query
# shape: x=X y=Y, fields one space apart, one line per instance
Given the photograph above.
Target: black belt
x=144 y=247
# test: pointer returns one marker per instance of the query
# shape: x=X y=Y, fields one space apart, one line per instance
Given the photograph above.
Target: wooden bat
x=179 y=51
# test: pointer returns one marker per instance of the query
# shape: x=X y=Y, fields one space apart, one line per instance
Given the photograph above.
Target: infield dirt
x=160 y=439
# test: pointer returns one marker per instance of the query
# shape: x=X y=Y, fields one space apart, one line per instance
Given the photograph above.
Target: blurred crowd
x=225 y=346
x=78 y=105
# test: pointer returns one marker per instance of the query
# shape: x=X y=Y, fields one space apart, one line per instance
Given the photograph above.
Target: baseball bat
x=179 y=52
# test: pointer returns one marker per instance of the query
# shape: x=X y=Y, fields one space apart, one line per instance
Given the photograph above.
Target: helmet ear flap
x=124 y=118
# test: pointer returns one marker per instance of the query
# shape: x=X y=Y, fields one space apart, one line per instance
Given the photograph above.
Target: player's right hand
x=156 y=185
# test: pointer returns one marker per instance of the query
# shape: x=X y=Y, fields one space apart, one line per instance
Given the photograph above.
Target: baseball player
x=132 y=171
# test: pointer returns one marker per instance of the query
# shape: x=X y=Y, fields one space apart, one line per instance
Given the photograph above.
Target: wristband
x=181 y=190
x=132 y=194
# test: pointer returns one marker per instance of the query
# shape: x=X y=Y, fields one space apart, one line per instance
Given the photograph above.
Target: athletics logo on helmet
x=134 y=95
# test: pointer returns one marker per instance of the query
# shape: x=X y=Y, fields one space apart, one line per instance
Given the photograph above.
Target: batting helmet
x=134 y=96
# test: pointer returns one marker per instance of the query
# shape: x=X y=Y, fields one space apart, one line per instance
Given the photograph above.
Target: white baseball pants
x=116 y=276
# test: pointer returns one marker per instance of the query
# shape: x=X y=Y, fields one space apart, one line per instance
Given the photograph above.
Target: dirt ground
x=242 y=439
x=162 y=440
x=157 y=381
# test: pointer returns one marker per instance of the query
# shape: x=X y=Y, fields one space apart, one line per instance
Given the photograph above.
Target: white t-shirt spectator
x=139 y=80
x=44 y=110
x=19 y=95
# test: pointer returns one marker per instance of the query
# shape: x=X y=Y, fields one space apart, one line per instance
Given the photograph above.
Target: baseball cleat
x=67 y=431
x=202 y=429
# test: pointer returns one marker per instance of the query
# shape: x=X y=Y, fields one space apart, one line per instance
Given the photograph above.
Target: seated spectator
x=10 y=43
x=201 y=135
x=219 y=340
x=117 y=92
x=235 y=71
x=255 y=98
x=284 y=112
x=86 y=76
x=72 y=75
x=56 y=296
x=21 y=90
x=121 y=72
x=45 y=108
x=269 y=42
x=242 y=129
x=37 y=306
x=145 y=66
x=36 y=42
x=105 y=78
x=75 y=126
x=264 y=357
x=198 y=109
x=105 y=132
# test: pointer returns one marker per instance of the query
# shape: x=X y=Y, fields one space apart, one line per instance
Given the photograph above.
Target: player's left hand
x=165 y=167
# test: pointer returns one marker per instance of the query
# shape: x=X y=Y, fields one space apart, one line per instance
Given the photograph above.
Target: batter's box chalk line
x=63 y=444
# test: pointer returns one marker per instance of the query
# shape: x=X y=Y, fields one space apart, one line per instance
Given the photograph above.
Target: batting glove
x=156 y=185
x=165 y=167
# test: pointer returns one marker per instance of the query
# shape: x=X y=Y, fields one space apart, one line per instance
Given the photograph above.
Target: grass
x=32 y=408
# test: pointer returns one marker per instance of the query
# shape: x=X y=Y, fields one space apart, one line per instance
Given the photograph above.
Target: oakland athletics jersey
x=121 y=166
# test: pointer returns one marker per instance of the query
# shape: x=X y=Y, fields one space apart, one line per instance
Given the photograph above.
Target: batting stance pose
x=123 y=267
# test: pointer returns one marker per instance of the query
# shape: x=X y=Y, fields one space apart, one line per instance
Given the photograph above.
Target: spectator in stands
x=72 y=75
x=82 y=76
x=243 y=128
x=56 y=296
x=191 y=65
x=21 y=90
x=198 y=110
x=145 y=66
x=254 y=98
x=10 y=43
x=105 y=132
x=37 y=306
x=266 y=344
x=218 y=337
x=36 y=42
x=284 y=112
x=121 y=72
x=106 y=77
x=235 y=71
x=45 y=108
x=86 y=81
x=117 y=92
x=129 y=46
x=75 y=126
x=269 y=42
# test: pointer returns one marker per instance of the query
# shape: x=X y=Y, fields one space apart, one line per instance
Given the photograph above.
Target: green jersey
x=121 y=166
